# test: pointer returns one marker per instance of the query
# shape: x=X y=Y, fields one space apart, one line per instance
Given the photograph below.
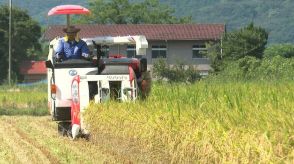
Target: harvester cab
x=72 y=84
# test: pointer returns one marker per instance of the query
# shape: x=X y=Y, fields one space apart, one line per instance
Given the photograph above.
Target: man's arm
x=85 y=50
x=59 y=50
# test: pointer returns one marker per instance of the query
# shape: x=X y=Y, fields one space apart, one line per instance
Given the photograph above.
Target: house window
x=131 y=52
x=159 y=51
x=199 y=51
x=105 y=50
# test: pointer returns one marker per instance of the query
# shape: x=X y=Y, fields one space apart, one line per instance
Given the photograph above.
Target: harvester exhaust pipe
x=99 y=54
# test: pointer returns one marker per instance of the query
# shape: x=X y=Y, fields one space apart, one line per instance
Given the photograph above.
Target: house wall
x=34 y=77
x=177 y=52
x=181 y=52
x=118 y=49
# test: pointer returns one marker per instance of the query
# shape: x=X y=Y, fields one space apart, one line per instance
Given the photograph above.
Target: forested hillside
x=276 y=16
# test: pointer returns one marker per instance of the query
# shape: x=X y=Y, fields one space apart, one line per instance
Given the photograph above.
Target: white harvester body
x=73 y=84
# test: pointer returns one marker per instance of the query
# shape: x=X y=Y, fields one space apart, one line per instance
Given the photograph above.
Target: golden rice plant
x=204 y=122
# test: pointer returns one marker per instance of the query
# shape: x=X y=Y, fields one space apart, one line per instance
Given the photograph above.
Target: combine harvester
x=72 y=84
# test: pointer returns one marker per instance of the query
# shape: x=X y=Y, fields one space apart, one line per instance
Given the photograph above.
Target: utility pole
x=9 y=49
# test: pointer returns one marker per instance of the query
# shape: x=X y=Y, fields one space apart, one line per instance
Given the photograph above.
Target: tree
x=214 y=55
x=176 y=73
x=25 y=35
x=249 y=41
x=284 y=50
x=124 y=12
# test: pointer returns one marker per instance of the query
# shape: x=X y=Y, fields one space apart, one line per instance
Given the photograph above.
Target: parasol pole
x=67 y=20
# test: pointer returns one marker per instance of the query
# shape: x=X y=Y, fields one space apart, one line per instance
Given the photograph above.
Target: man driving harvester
x=71 y=46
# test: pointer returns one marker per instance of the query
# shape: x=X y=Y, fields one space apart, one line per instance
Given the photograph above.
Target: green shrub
x=283 y=50
x=175 y=73
x=251 y=68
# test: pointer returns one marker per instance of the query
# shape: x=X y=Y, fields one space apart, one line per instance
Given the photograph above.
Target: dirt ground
x=29 y=139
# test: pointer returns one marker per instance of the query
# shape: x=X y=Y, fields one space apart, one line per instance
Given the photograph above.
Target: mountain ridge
x=275 y=16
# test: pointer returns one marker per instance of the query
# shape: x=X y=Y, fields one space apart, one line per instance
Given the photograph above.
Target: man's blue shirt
x=71 y=49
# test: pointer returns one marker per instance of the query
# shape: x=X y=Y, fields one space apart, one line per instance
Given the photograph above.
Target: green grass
x=206 y=122
x=23 y=100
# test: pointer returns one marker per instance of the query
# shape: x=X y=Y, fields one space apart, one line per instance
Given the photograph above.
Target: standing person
x=71 y=46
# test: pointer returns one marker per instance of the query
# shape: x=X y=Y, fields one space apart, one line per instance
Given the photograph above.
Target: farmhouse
x=176 y=43
x=33 y=71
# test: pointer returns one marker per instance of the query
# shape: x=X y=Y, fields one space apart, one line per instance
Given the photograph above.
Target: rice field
x=205 y=122
x=23 y=100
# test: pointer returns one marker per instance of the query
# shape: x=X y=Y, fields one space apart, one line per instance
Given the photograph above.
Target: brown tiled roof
x=151 y=31
x=33 y=67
